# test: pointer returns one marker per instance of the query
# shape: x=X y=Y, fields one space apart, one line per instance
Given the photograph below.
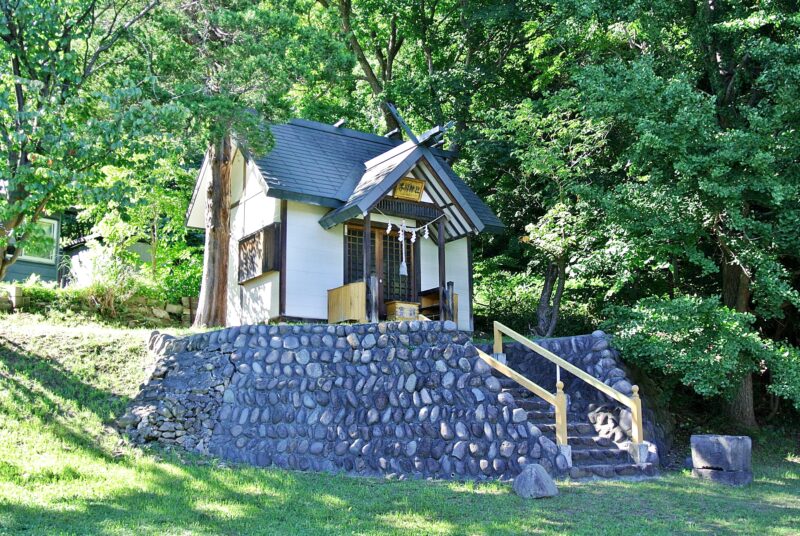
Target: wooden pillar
x=372 y=298
x=470 y=284
x=367 y=264
x=449 y=302
x=442 y=277
x=561 y=415
x=370 y=279
x=283 y=274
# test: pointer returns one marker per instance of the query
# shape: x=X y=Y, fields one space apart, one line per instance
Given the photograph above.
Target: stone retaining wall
x=409 y=399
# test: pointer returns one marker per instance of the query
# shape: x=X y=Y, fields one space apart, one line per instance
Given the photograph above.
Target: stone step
x=535 y=414
x=540 y=417
x=595 y=456
x=534 y=405
x=604 y=470
x=573 y=428
x=584 y=441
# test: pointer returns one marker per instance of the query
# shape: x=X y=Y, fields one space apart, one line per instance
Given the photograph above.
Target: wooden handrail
x=558 y=400
x=634 y=402
x=517 y=377
x=566 y=365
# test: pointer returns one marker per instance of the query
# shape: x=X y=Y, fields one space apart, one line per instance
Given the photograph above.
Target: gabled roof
x=380 y=175
x=341 y=168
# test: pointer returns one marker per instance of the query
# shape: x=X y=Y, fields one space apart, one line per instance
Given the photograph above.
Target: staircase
x=592 y=456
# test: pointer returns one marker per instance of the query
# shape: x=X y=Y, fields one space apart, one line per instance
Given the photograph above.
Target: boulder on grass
x=533 y=482
x=161 y=314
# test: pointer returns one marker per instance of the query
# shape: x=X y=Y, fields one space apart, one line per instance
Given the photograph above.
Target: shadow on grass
x=40 y=390
x=167 y=497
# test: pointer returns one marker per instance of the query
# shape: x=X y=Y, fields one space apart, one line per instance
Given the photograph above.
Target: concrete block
x=174 y=309
x=566 y=451
x=160 y=314
x=723 y=453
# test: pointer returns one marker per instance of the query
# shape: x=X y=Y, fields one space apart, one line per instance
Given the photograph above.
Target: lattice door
x=354 y=263
x=396 y=286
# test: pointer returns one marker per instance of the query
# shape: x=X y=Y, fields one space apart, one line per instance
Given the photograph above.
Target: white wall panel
x=256 y=301
x=457 y=271
x=314 y=261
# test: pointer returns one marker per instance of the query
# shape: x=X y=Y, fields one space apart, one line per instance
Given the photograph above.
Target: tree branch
x=112 y=36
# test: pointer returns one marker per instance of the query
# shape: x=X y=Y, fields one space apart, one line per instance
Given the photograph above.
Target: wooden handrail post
x=498 y=340
x=637 y=430
x=561 y=414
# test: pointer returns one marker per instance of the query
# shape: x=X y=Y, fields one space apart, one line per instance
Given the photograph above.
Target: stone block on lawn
x=174 y=309
x=161 y=314
x=533 y=482
x=722 y=459
x=723 y=453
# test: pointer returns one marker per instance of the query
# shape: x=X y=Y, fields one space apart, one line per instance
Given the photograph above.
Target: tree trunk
x=548 y=310
x=212 y=304
x=6 y=261
x=740 y=407
x=736 y=295
x=9 y=226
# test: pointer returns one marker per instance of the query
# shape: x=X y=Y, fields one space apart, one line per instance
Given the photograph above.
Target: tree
x=707 y=157
x=385 y=52
x=57 y=120
x=233 y=65
x=433 y=58
x=558 y=152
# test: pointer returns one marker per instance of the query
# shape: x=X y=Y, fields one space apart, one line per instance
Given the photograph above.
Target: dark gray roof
x=379 y=176
x=323 y=165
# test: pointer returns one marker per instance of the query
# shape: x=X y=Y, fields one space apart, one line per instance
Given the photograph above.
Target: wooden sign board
x=410 y=189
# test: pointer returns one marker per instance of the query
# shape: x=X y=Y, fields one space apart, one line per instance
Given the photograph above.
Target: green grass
x=65 y=470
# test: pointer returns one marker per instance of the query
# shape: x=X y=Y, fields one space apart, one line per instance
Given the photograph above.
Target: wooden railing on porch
x=559 y=399
x=348 y=303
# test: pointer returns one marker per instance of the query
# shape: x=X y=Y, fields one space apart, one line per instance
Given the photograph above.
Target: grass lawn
x=65 y=470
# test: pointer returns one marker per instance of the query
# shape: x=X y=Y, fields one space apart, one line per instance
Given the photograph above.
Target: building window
x=260 y=253
x=45 y=250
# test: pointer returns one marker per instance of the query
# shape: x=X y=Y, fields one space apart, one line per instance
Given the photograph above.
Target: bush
x=702 y=344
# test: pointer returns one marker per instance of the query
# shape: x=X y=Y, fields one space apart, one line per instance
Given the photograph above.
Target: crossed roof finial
x=434 y=134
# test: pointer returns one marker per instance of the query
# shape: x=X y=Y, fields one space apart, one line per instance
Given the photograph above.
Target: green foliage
x=149 y=220
x=504 y=296
x=512 y=297
x=702 y=344
x=64 y=108
x=673 y=127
